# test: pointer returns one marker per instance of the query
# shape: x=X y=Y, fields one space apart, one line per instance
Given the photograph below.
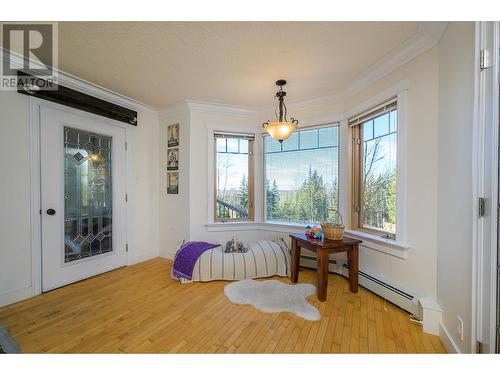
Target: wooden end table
x=323 y=248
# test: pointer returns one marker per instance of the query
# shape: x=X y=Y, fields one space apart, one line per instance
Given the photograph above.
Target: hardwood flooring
x=139 y=309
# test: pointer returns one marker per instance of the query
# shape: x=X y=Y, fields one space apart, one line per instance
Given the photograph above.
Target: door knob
x=51 y=211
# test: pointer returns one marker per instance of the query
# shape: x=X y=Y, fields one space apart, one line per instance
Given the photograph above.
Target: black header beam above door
x=43 y=89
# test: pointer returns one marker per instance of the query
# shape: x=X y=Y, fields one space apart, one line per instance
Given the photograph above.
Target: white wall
x=143 y=204
x=174 y=208
x=456 y=96
x=15 y=227
x=15 y=248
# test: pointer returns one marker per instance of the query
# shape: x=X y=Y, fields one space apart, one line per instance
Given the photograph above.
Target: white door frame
x=35 y=180
x=485 y=184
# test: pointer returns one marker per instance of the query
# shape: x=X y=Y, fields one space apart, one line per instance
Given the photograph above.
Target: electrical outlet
x=460 y=327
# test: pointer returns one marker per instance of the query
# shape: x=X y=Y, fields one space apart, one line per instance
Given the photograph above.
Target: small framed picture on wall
x=173 y=159
x=172 y=182
x=173 y=135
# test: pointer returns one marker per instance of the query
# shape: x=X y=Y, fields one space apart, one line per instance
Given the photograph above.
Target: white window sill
x=232 y=225
x=392 y=247
x=276 y=226
x=254 y=225
x=370 y=241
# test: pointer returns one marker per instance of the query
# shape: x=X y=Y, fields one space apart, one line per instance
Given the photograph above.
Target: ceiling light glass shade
x=281 y=130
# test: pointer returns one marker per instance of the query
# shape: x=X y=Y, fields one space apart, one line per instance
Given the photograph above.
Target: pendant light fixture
x=282 y=128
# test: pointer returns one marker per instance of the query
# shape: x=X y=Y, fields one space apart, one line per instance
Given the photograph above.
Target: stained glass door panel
x=88 y=208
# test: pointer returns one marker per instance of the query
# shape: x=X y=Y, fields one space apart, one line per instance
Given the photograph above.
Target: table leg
x=322 y=271
x=294 y=272
x=353 y=260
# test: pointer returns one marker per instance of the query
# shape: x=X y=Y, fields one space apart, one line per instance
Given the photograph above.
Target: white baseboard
x=133 y=259
x=448 y=343
x=167 y=254
x=15 y=296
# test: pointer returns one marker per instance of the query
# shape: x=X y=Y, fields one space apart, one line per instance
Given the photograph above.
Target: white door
x=83 y=179
x=488 y=231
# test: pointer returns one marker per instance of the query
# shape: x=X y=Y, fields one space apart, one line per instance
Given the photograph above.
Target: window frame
x=356 y=169
x=250 y=175
x=336 y=123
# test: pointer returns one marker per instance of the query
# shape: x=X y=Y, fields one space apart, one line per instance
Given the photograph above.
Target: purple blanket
x=186 y=258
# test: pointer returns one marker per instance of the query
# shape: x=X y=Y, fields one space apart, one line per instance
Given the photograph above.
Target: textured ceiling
x=161 y=63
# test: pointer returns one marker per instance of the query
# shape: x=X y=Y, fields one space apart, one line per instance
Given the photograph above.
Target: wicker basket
x=334 y=231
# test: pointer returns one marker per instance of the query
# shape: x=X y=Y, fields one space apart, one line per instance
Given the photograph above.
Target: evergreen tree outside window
x=301 y=176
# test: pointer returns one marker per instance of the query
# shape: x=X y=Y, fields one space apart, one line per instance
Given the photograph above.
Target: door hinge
x=484 y=59
x=126 y=197
x=356 y=141
x=479 y=347
x=126 y=248
x=356 y=209
x=126 y=146
x=481 y=207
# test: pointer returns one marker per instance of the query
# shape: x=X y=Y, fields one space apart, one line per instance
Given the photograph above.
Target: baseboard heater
x=389 y=292
x=28 y=84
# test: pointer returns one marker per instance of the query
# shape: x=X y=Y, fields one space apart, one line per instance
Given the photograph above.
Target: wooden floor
x=139 y=309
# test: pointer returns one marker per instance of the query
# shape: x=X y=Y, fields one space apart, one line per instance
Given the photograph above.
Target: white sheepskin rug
x=273 y=296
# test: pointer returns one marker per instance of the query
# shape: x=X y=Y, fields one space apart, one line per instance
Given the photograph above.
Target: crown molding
x=201 y=106
x=90 y=88
x=389 y=92
x=428 y=35
x=174 y=110
x=194 y=106
x=76 y=83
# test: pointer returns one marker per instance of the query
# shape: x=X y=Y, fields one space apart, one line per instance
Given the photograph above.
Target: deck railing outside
x=229 y=211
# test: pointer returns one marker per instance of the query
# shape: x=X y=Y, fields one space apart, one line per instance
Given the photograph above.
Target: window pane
x=328 y=136
x=302 y=185
x=368 y=130
x=308 y=139
x=271 y=145
x=232 y=144
x=221 y=144
x=379 y=180
x=243 y=146
x=393 y=121
x=381 y=125
x=291 y=143
x=87 y=194
x=232 y=181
